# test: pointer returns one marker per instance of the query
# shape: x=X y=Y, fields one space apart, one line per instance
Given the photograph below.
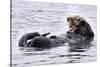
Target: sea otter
x=79 y=31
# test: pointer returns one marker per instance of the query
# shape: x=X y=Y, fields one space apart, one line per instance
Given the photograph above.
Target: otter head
x=75 y=22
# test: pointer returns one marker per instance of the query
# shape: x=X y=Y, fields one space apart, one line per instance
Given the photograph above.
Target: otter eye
x=70 y=26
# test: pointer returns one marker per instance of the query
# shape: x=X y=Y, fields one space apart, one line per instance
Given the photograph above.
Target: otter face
x=74 y=22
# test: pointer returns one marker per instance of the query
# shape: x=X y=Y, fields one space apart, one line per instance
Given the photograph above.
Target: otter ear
x=82 y=23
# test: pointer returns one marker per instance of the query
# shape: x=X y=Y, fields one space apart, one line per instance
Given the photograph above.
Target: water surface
x=29 y=16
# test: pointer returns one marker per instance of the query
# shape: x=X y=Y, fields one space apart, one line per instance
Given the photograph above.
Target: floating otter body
x=40 y=41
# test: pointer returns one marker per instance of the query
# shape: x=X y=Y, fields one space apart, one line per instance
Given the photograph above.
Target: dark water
x=28 y=16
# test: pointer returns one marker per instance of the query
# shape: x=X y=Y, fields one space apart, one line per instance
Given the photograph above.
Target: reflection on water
x=80 y=47
x=50 y=17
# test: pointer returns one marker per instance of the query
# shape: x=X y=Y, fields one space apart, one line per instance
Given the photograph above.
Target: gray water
x=29 y=16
